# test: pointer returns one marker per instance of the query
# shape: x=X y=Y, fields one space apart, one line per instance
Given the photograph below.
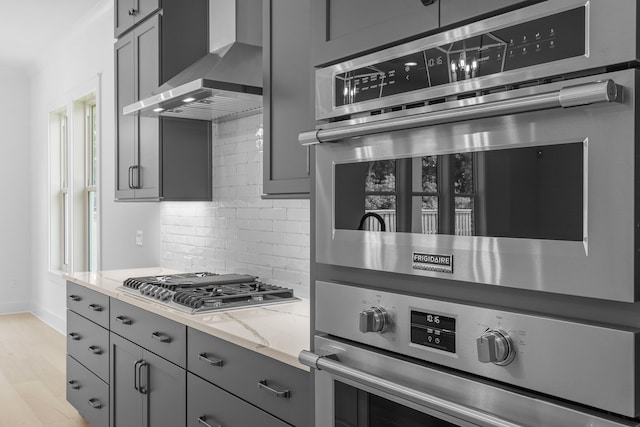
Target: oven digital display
x=433 y=330
x=539 y=41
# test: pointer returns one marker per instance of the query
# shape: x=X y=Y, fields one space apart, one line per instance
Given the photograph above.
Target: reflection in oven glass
x=532 y=192
x=357 y=408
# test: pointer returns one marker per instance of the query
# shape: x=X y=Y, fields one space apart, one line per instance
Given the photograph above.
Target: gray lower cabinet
x=146 y=390
x=211 y=406
x=274 y=387
x=288 y=97
x=88 y=354
x=87 y=393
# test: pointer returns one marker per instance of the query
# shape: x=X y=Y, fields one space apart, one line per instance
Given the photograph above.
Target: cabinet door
x=128 y=13
x=347 y=28
x=125 y=125
x=455 y=11
x=288 y=97
x=126 y=400
x=166 y=386
x=147 y=174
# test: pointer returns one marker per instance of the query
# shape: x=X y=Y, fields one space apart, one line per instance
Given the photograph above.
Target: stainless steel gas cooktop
x=204 y=292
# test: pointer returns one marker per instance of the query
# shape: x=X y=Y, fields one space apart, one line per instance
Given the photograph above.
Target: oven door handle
x=569 y=96
x=323 y=363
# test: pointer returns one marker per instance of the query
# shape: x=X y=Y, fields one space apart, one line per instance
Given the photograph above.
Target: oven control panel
x=539 y=41
x=433 y=330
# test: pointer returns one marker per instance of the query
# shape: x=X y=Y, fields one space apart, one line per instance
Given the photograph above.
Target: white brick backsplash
x=239 y=232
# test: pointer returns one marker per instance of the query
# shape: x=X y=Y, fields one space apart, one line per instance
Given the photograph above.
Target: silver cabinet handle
x=95 y=403
x=213 y=362
x=123 y=320
x=74 y=384
x=203 y=420
x=160 y=337
x=421 y=398
x=95 y=307
x=570 y=96
x=95 y=349
x=262 y=384
x=74 y=336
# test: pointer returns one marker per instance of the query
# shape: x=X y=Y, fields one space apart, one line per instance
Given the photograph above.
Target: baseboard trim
x=15 y=307
x=50 y=318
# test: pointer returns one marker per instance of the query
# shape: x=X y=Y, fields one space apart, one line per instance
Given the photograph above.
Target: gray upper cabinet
x=348 y=28
x=137 y=60
x=145 y=57
x=131 y=12
x=288 y=97
x=456 y=11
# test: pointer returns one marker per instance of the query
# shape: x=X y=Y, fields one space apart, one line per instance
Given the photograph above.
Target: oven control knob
x=373 y=319
x=495 y=346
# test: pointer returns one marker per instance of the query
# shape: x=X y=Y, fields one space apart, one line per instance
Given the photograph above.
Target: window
x=74 y=210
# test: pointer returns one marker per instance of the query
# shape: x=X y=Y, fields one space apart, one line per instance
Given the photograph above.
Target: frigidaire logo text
x=433 y=262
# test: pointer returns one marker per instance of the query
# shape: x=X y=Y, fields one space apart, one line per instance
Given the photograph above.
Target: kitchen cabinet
x=145 y=57
x=88 y=354
x=347 y=28
x=456 y=11
x=146 y=390
x=288 y=97
x=131 y=12
x=209 y=405
x=137 y=64
x=274 y=387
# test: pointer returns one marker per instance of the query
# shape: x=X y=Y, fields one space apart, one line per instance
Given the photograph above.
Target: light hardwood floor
x=32 y=375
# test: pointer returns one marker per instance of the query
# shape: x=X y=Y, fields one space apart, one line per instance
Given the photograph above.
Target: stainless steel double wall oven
x=476 y=225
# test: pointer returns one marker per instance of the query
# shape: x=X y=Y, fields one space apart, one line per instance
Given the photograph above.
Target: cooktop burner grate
x=201 y=292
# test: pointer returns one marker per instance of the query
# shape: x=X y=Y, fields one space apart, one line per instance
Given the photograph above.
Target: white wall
x=72 y=66
x=15 y=171
x=239 y=232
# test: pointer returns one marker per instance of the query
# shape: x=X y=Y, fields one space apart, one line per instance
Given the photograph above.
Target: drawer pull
x=203 y=420
x=74 y=336
x=95 y=403
x=95 y=307
x=74 y=384
x=75 y=298
x=123 y=320
x=264 y=386
x=95 y=349
x=213 y=362
x=162 y=338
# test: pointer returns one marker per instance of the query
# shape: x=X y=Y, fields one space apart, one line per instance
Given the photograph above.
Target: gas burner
x=204 y=291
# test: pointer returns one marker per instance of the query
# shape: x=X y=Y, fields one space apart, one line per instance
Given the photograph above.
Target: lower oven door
x=360 y=387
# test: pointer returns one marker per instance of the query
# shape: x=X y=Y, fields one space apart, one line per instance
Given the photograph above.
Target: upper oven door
x=541 y=200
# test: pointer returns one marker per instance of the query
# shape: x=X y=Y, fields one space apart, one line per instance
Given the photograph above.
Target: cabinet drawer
x=157 y=334
x=87 y=393
x=209 y=405
x=88 y=343
x=276 y=387
x=88 y=303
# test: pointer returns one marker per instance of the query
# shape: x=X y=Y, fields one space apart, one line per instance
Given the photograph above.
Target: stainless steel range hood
x=224 y=83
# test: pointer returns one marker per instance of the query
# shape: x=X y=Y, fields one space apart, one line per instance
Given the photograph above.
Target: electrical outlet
x=139 y=238
x=14 y=283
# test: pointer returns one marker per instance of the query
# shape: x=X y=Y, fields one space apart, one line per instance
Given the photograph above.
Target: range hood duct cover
x=224 y=83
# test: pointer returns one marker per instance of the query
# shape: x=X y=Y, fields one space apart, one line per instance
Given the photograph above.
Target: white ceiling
x=28 y=27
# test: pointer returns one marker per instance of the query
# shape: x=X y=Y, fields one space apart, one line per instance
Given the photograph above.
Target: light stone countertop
x=279 y=331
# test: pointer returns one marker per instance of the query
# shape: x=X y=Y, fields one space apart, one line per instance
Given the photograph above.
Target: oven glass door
x=355 y=407
x=532 y=192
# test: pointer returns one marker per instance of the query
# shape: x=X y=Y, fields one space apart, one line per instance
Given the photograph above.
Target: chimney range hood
x=223 y=84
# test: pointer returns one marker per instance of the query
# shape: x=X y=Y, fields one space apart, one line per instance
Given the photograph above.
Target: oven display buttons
x=433 y=330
